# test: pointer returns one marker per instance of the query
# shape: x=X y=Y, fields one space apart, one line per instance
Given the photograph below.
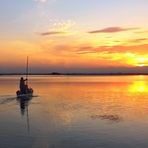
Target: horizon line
x=77 y=73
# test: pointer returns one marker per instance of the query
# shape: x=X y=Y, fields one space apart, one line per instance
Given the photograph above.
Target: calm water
x=75 y=112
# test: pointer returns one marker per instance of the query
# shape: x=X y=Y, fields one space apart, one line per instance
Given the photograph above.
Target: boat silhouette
x=25 y=91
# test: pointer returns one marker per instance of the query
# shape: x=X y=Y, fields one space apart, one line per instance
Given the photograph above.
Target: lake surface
x=75 y=112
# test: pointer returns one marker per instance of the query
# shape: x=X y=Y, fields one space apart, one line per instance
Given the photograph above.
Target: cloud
x=51 y=33
x=138 y=40
x=42 y=1
x=137 y=49
x=110 y=30
x=59 y=28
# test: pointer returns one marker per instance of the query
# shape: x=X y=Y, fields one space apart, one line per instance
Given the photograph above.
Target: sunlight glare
x=139 y=87
x=141 y=61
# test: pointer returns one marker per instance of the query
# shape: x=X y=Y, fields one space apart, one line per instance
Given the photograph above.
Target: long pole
x=27 y=71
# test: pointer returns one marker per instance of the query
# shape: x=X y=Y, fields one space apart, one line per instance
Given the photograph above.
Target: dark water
x=75 y=112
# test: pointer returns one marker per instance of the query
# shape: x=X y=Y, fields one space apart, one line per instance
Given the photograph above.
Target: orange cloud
x=139 y=40
x=141 y=49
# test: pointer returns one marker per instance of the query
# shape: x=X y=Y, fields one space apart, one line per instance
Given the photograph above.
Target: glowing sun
x=141 y=61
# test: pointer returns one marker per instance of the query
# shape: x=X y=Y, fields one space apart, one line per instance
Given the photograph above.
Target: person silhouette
x=23 y=87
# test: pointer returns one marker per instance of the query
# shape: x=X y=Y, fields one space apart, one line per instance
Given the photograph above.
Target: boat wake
x=5 y=99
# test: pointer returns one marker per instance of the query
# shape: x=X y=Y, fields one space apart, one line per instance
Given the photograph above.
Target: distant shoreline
x=73 y=74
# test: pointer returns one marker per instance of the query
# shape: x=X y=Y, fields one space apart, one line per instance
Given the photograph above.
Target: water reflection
x=77 y=112
x=139 y=87
x=24 y=103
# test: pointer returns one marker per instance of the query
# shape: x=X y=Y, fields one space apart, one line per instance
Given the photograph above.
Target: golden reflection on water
x=139 y=86
x=119 y=99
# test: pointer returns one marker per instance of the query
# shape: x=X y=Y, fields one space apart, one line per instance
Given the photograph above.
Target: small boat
x=28 y=94
x=24 y=92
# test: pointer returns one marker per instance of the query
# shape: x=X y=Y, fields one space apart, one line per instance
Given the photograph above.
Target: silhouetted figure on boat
x=24 y=89
x=23 y=86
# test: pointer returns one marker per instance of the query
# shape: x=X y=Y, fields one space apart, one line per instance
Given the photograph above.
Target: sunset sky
x=74 y=35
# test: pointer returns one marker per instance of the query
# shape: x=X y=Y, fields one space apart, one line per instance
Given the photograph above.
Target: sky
x=80 y=36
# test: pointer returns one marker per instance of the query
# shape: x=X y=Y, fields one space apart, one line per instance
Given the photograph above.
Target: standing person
x=22 y=85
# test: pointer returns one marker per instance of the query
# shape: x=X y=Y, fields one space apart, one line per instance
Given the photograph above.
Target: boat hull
x=28 y=94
